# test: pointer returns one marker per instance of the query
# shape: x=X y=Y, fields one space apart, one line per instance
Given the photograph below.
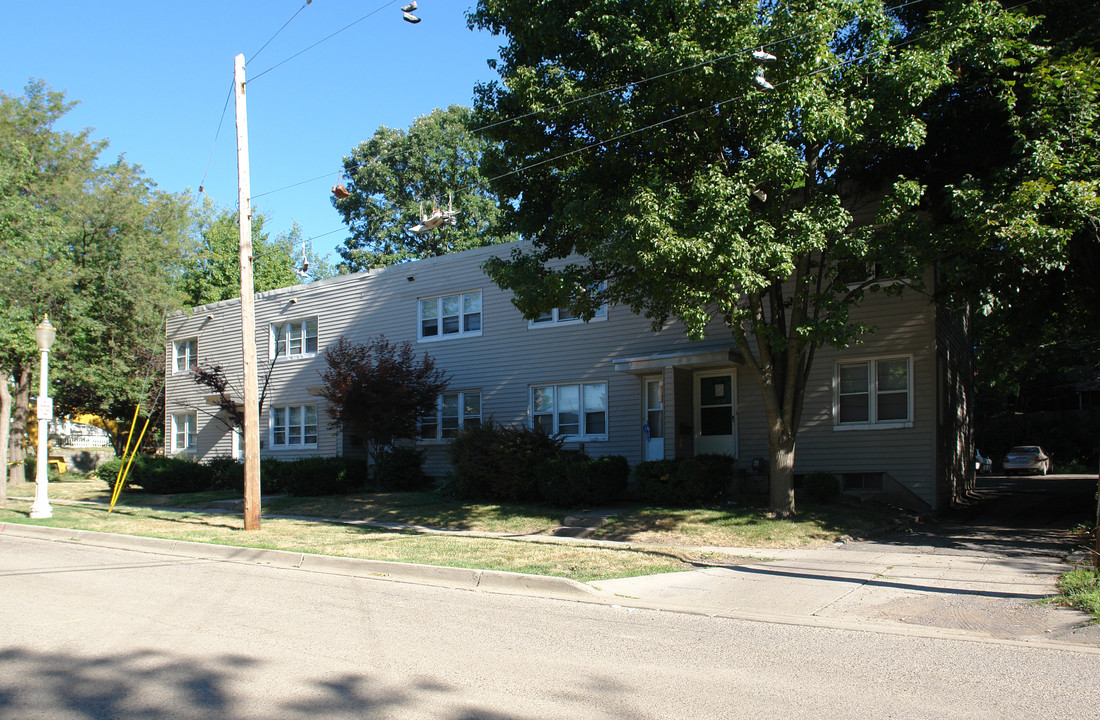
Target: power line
x=619 y=88
x=377 y=10
x=229 y=95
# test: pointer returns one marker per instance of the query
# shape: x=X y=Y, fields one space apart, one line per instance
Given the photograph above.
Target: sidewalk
x=859 y=585
x=920 y=590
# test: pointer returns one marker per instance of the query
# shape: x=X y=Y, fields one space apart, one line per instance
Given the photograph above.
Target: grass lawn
x=659 y=539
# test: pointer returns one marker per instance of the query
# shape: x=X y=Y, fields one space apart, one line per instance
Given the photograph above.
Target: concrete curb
x=466 y=578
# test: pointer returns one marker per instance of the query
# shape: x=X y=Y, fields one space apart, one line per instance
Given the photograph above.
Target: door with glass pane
x=653 y=428
x=716 y=412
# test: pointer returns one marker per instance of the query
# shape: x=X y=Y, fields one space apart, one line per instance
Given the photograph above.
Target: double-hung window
x=449 y=315
x=185 y=354
x=294 y=426
x=183 y=431
x=454 y=411
x=561 y=315
x=297 y=338
x=575 y=410
x=874 y=393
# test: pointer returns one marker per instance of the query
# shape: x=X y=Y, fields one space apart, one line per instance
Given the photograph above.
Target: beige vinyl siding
x=510 y=355
x=904 y=327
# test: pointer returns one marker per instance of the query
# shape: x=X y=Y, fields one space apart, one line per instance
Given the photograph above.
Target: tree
x=97 y=247
x=396 y=175
x=212 y=269
x=380 y=390
x=635 y=135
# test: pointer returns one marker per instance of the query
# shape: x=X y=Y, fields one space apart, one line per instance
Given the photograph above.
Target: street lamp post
x=44 y=335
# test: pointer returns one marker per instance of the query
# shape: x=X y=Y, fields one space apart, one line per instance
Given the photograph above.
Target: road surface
x=104 y=633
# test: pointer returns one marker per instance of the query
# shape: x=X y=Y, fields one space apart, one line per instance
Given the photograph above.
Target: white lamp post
x=44 y=335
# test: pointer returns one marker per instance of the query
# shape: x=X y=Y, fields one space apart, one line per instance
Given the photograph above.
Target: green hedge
x=519 y=464
x=573 y=479
x=684 y=481
x=399 y=468
x=496 y=462
x=160 y=475
x=305 y=476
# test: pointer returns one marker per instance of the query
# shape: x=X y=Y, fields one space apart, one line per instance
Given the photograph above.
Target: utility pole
x=248 y=312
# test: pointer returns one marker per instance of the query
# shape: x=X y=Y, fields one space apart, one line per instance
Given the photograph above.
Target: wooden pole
x=248 y=313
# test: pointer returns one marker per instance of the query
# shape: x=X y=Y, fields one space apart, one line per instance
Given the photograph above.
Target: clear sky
x=153 y=76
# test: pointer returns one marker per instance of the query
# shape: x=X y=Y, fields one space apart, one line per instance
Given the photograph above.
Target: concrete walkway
x=867 y=587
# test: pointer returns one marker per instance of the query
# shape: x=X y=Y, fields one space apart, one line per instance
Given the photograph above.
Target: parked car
x=1027 y=458
x=982 y=464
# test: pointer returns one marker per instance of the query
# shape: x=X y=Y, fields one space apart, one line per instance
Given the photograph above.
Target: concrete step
x=582 y=526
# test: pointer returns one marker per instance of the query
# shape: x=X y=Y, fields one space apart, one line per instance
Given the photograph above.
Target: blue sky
x=153 y=78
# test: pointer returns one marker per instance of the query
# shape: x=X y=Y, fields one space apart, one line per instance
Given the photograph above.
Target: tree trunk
x=781 y=444
x=5 y=432
x=18 y=441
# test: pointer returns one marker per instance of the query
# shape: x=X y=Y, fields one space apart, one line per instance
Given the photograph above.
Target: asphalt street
x=95 y=632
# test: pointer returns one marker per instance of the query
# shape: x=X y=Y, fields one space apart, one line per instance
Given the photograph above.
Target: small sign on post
x=44 y=409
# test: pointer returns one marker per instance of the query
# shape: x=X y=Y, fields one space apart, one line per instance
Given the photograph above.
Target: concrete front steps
x=583 y=525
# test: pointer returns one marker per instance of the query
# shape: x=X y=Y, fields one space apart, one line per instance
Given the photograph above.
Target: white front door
x=716 y=412
x=654 y=418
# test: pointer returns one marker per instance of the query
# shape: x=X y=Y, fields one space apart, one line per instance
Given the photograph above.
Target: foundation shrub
x=689 y=481
x=399 y=468
x=500 y=463
x=160 y=475
x=573 y=479
x=229 y=474
x=315 y=476
x=654 y=482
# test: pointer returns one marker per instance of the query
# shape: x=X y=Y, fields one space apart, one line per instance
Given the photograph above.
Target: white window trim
x=873 y=423
x=583 y=437
x=276 y=329
x=438 y=437
x=191 y=438
x=191 y=356
x=287 y=445
x=462 y=331
x=555 y=321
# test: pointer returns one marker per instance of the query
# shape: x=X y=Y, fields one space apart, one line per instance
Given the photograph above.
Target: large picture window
x=297 y=338
x=185 y=354
x=578 y=410
x=294 y=426
x=183 y=431
x=454 y=411
x=874 y=392
x=449 y=316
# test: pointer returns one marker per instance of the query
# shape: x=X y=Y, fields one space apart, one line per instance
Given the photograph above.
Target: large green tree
x=96 y=247
x=212 y=269
x=634 y=134
x=397 y=174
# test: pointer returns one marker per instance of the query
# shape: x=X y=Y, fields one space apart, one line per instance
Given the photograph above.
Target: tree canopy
x=94 y=245
x=212 y=266
x=398 y=174
x=637 y=136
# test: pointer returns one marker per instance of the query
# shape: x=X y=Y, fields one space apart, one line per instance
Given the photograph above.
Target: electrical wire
x=229 y=95
x=377 y=10
x=618 y=88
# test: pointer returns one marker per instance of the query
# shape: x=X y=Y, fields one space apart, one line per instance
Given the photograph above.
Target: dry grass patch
x=743 y=527
x=541 y=557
